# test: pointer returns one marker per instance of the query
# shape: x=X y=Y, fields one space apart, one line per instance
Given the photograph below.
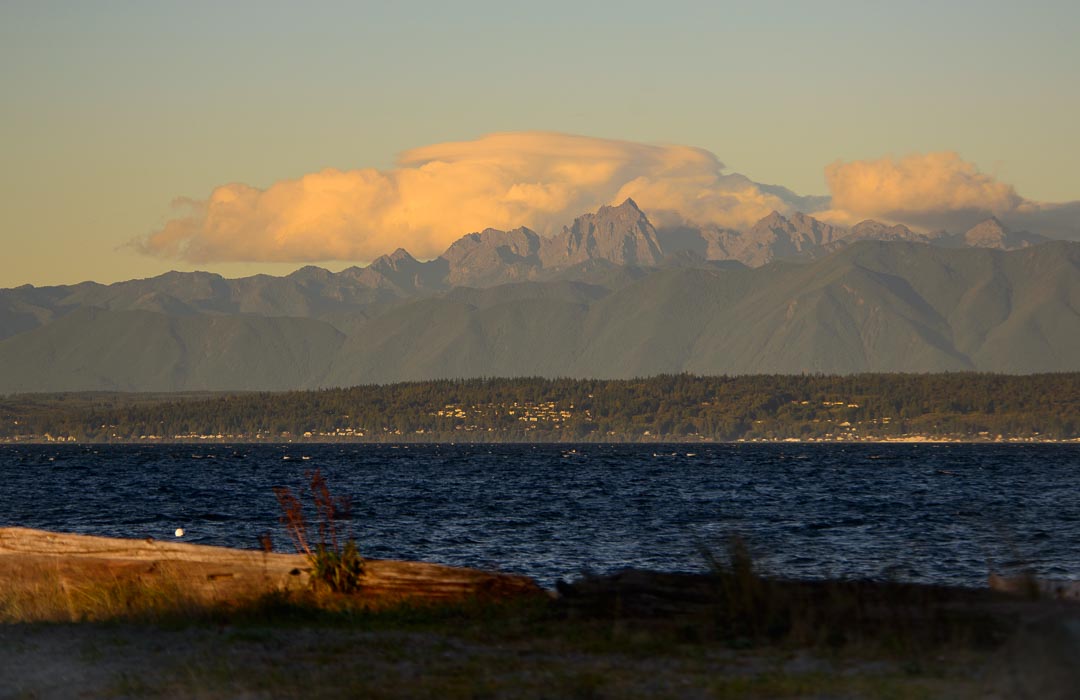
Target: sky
x=250 y=137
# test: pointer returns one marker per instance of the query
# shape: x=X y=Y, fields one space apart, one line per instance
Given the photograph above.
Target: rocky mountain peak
x=988 y=231
x=992 y=233
x=626 y=214
x=493 y=257
x=399 y=256
x=400 y=270
x=774 y=220
x=871 y=230
x=520 y=241
x=777 y=236
x=622 y=235
x=628 y=205
x=311 y=273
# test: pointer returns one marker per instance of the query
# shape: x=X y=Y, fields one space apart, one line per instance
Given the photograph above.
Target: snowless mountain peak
x=992 y=233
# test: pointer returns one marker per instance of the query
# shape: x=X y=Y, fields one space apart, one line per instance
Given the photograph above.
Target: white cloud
x=440 y=192
x=937 y=191
x=543 y=180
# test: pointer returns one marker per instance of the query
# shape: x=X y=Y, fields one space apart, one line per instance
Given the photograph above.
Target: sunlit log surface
x=221 y=573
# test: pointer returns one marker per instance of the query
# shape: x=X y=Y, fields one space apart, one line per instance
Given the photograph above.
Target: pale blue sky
x=112 y=109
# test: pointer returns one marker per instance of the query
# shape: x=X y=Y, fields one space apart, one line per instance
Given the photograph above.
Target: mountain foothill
x=611 y=296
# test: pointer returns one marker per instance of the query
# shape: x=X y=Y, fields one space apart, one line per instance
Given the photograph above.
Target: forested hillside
x=670 y=407
x=607 y=299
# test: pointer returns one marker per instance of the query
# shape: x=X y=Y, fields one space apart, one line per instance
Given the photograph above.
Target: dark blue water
x=939 y=513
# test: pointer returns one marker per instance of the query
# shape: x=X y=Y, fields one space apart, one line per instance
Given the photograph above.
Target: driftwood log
x=1033 y=587
x=223 y=574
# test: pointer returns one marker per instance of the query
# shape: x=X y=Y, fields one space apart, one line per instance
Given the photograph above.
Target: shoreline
x=403 y=440
x=141 y=556
x=213 y=575
x=134 y=618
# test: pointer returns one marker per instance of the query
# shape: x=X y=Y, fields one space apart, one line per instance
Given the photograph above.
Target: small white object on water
x=179 y=532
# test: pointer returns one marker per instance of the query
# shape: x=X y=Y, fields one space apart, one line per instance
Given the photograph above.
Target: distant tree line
x=774 y=407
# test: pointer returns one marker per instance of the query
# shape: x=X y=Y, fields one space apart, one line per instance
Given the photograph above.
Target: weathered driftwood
x=1033 y=587
x=221 y=573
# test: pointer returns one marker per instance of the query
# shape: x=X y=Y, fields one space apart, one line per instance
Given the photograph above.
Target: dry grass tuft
x=44 y=593
x=334 y=556
x=734 y=604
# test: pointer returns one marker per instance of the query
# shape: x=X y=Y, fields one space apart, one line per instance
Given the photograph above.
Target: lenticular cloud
x=543 y=180
x=443 y=191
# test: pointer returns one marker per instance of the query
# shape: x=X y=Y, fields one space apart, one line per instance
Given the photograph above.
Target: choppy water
x=941 y=513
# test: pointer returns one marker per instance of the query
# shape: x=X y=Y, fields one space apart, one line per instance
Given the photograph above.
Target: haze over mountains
x=609 y=296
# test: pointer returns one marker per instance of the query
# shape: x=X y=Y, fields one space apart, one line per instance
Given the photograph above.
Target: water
x=934 y=513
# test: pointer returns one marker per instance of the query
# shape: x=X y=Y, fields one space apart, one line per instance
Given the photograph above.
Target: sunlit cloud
x=543 y=180
x=440 y=192
x=937 y=191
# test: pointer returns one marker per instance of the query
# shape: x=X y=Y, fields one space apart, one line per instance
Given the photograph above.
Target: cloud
x=937 y=191
x=438 y=193
x=543 y=180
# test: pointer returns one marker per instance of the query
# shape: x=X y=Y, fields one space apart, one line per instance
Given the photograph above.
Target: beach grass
x=312 y=642
x=298 y=645
x=123 y=631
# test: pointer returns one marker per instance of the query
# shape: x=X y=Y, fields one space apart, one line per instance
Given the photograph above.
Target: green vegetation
x=744 y=609
x=334 y=556
x=728 y=633
x=968 y=406
x=465 y=651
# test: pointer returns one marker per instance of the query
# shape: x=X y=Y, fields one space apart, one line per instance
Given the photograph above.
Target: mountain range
x=609 y=296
